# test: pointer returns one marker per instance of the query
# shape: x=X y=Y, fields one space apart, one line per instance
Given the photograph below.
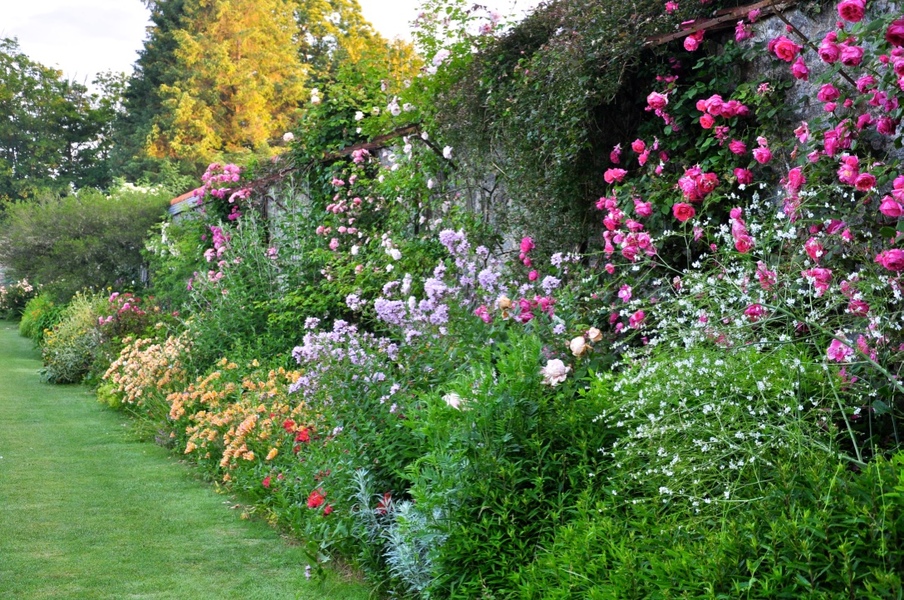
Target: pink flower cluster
x=742 y=240
x=696 y=185
x=715 y=106
x=849 y=173
x=625 y=232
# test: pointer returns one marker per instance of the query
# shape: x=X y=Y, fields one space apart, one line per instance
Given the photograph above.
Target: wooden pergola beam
x=721 y=20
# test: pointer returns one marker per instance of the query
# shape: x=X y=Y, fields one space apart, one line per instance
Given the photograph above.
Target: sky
x=86 y=37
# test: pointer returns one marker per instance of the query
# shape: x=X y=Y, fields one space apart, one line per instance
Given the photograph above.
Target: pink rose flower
x=796 y=179
x=613 y=175
x=635 y=321
x=737 y=147
x=894 y=35
x=799 y=69
x=527 y=244
x=891 y=208
x=839 y=352
x=851 y=10
x=893 y=259
x=643 y=209
x=784 y=48
x=744 y=176
x=693 y=41
x=827 y=93
x=743 y=243
x=865 y=182
x=657 y=101
x=624 y=293
x=638 y=146
x=851 y=56
x=829 y=52
x=814 y=249
x=762 y=155
x=886 y=126
x=755 y=312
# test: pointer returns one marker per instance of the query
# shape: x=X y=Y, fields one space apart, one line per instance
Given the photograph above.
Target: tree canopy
x=55 y=134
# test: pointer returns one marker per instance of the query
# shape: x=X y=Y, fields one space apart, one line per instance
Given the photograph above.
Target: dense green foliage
x=702 y=402
x=84 y=240
x=55 y=134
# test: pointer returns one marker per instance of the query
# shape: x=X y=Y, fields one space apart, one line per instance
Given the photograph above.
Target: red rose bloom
x=683 y=211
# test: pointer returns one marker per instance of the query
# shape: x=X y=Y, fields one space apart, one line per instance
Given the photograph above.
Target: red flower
x=384 y=504
x=316 y=498
x=266 y=482
x=683 y=211
x=327 y=509
x=303 y=435
x=289 y=425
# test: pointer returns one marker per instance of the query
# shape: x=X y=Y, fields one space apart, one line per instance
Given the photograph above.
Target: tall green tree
x=53 y=133
x=237 y=84
x=143 y=101
x=331 y=32
x=85 y=239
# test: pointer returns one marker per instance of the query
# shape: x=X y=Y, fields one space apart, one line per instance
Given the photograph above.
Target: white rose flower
x=578 y=345
x=554 y=372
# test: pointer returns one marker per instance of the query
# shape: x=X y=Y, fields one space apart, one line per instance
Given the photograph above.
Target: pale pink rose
x=578 y=345
x=555 y=372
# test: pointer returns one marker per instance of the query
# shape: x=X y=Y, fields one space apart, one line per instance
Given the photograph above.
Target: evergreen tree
x=236 y=84
x=143 y=102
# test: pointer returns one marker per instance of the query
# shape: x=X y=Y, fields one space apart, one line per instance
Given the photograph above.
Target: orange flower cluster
x=231 y=421
x=147 y=370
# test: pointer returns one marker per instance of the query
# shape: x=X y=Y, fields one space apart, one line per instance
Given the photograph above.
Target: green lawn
x=87 y=511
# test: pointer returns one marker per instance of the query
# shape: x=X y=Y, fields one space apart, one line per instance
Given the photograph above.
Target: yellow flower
x=272 y=454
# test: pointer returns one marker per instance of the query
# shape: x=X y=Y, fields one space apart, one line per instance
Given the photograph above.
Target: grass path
x=87 y=512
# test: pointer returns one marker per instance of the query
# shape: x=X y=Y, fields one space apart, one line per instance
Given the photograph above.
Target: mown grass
x=87 y=511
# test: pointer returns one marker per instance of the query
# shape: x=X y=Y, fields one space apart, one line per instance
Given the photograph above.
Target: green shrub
x=41 y=314
x=80 y=241
x=501 y=472
x=71 y=346
x=822 y=531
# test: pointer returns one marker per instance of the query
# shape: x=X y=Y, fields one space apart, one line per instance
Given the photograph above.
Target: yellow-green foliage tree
x=240 y=80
